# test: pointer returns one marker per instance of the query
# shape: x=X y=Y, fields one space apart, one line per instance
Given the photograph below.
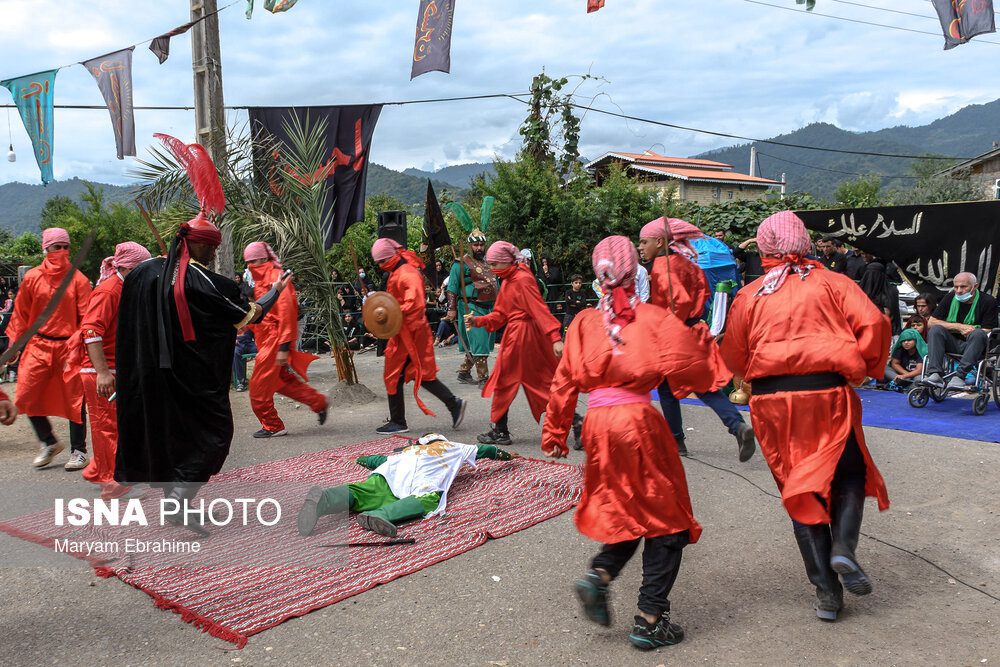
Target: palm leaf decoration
x=273 y=203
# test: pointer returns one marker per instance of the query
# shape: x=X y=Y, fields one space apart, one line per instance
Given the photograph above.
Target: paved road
x=742 y=595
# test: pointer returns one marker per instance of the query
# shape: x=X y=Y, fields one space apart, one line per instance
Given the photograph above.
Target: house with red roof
x=701 y=181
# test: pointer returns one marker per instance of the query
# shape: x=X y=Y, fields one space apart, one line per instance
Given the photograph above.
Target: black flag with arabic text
x=349 y=131
x=930 y=243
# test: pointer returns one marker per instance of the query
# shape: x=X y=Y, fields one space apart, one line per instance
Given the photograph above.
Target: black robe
x=175 y=424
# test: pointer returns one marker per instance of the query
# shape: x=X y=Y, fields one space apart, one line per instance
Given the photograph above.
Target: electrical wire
x=871 y=537
x=870 y=23
x=886 y=9
x=835 y=171
x=728 y=135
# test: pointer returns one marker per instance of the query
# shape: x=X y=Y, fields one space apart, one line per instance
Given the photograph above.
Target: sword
x=43 y=317
x=386 y=543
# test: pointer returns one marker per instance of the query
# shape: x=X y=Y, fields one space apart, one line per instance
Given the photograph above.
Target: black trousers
x=77 y=431
x=397 y=409
x=661 y=561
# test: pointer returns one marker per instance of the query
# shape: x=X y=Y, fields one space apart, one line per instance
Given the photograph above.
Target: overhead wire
x=835 y=171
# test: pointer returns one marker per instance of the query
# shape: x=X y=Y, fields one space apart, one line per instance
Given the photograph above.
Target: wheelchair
x=985 y=386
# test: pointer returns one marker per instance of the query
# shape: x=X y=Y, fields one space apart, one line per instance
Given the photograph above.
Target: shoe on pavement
x=593 y=595
x=322 y=414
x=851 y=575
x=682 y=448
x=494 y=437
x=264 y=433
x=466 y=378
x=746 y=442
x=391 y=428
x=647 y=636
x=77 y=461
x=47 y=453
x=458 y=413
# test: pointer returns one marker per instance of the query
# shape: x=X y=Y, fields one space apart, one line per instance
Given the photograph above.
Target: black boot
x=847 y=509
x=577 y=431
x=815 y=544
x=465 y=377
x=681 y=447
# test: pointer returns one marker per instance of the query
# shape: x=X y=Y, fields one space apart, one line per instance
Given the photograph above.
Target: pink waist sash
x=604 y=397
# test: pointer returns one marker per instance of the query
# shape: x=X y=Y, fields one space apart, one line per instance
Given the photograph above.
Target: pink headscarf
x=260 y=250
x=655 y=229
x=682 y=232
x=783 y=234
x=127 y=255
x=503 y=252
x=384 y=250
x=615 y=263
x=54 y=235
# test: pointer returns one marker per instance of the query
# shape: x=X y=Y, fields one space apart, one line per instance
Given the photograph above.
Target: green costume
x=432 y=461
x=478 y=341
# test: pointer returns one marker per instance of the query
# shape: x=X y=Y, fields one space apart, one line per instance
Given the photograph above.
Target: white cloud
x=728 y=65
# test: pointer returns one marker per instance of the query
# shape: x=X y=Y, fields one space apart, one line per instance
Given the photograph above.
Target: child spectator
x=917 y=323
x=906 y=361
x=576 y=300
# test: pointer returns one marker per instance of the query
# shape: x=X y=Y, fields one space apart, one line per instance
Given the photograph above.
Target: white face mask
x=963 y=298
x=361 y=274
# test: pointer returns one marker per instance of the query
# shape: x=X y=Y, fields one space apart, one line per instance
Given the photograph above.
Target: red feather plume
x=200 y=171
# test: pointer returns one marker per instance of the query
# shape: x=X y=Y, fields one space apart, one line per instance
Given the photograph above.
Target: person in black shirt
x=960 y=324
x=749 y=260
x=854 y=264
x=576 y=300
x=906 y=361
x=830 y=255
x=354 y=331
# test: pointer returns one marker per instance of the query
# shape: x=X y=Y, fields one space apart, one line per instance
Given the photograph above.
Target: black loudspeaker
x=392 y=225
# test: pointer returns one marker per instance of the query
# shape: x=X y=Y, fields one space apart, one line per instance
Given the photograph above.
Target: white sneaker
x=77 y=461
x=47 y=453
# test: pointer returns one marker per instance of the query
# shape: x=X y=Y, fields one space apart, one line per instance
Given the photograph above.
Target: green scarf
x=914 y=335
x=970 y=317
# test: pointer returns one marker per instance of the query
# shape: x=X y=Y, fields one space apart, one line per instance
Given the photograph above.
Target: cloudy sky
x=727 y=65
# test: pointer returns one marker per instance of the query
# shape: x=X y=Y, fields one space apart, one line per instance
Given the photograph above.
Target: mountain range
x=969 y=132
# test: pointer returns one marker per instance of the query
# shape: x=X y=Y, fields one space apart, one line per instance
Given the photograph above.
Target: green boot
x=319 y=502
x=383 y=520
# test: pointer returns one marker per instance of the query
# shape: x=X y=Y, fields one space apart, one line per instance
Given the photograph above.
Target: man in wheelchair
x=960 y=324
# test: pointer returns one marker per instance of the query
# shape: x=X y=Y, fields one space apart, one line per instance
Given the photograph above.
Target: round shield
x=382 y=315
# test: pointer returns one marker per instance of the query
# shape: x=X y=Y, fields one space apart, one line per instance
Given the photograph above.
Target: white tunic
x=422 y=469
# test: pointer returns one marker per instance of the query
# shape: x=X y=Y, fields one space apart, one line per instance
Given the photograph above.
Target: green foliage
x=551 y=130
x=739 y=219
x=22 y=204
x=931 y=187
x=25 y=249
x=861 y=192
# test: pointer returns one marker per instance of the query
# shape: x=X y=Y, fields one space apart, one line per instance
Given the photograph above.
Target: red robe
x=280 y=325
x=42 y=390
x=414 y=340
x=634 y=483
x=100 y=325
x=684 y=291
x=526 y=358
x=823 y=324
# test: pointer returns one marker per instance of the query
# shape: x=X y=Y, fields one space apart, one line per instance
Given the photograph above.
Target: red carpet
x=252 y=579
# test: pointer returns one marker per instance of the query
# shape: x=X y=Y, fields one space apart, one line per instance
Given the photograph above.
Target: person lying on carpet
x=412 y=484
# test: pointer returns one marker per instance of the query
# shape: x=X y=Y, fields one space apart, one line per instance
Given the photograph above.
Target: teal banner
x=33 y=97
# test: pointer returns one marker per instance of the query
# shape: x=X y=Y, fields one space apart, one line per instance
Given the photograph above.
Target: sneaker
x=458 y=413
x=851 y=575
x=956 y=383
x=494 y=437
x=647 y=636
x=47 y=453
x=77 y=461
x=466 y=378
x=264 y=433
x=241 y=387
x=682 y=448
x=391 y=428
x=933 y=380
x=577 y=432
x=309 y=514
x=593 y=594
x=746 y=442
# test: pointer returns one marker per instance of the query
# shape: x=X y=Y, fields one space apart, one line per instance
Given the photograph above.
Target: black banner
x=348 y=140
x=930 y=243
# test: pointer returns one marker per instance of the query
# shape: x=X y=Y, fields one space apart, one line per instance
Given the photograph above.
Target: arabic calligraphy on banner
x=930 y=244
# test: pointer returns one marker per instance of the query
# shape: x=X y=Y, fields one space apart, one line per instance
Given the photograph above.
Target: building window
x=717 y=193
x=729 y=195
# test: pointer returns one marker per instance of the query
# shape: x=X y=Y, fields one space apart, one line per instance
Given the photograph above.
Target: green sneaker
x=593 y=594
x=647 y=636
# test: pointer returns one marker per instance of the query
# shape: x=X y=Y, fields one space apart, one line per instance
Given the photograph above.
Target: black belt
x=814 y=382
x=691 y=321
x=41 y=335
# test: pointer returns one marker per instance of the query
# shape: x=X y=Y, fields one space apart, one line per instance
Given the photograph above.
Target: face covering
x=361 y=274
x=963 y=298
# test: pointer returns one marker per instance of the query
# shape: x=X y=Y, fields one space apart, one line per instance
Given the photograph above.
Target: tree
x=551 y=130
x=26 y=249
x=861 y=192
x=933 y=187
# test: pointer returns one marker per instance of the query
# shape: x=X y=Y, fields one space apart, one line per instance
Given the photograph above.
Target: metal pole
x=209 y=107
x=753 y=160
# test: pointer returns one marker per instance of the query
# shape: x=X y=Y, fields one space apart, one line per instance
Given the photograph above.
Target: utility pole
x=784 y=185
x=753 y=160
x=209 y=109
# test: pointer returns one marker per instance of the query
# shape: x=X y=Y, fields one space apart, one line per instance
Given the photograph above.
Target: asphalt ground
x=742 y=595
